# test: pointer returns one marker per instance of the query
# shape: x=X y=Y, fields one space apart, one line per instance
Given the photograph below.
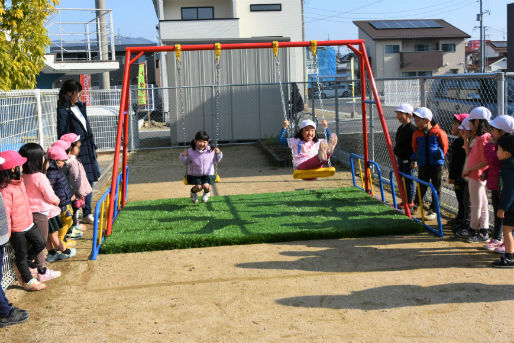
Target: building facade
x=405 y=48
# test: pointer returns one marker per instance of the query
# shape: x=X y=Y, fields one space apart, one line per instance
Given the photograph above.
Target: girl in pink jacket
x=476 y=164
x=19 y=218
x=77 y=179
x=42 y=201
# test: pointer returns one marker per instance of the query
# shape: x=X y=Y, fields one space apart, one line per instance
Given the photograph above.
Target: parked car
x=343 y=90
x=446 y=96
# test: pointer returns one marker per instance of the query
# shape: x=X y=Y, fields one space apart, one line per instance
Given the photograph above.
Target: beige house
x=418 y=47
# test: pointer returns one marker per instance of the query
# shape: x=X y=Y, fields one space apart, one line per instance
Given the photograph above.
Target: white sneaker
x=206 y=197
x=431 y=216
x=89 y=219
x=194 y=197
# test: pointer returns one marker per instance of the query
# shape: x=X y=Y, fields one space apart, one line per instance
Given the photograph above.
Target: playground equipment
x=133 y=53
x=308 y=173
x=182 y=112
x=381 y=181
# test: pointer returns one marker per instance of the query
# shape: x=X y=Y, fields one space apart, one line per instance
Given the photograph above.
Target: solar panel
x=405 y=24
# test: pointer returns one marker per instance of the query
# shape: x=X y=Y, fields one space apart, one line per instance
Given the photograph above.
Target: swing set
x=132 y=54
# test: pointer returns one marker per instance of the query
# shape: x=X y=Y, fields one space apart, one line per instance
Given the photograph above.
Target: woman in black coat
x=72 y=117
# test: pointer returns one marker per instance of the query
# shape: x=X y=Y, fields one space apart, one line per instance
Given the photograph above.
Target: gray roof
x=446 y=30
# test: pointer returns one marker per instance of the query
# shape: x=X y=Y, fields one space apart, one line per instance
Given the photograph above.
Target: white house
x=231 y=21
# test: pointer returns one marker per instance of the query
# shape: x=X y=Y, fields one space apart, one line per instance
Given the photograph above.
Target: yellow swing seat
x=217 y=179
x=314 y=173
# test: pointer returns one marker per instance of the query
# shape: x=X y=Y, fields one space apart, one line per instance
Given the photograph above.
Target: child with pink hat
x=77 y=179
x=457 y=159
x=58 y=157
x=19 y=218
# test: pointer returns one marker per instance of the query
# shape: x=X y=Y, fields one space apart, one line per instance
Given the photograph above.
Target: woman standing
x=72 y=118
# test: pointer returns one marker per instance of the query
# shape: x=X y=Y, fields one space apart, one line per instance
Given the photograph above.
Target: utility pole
x=103 y=45
x=480 y=18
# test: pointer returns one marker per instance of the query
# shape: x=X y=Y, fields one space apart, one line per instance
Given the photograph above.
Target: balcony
x=432 y=59
x=176 y=30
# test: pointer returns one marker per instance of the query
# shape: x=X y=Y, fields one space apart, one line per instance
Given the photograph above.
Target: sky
x=332 y=18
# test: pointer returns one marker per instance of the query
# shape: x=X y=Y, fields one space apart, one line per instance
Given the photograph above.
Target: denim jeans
x=89 y=199
x=5 y=309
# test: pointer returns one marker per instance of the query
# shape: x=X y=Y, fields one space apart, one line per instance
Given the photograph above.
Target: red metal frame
x=356 y=45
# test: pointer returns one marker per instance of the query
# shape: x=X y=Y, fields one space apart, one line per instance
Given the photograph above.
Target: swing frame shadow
x=133 y=53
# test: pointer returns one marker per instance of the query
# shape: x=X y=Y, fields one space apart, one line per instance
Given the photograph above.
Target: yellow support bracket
x=360 y=173
x=275 y=48
x=178 y=51
x=217 y=49
x=314 y=45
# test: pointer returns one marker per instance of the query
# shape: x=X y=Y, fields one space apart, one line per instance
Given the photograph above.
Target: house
x=495 y=55
x=231 y=21
x=417 y=47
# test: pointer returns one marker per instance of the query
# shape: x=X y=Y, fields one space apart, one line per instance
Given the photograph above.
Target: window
x=265 y=7
x=197 y=13
x=416 y=73
x=421 y=47
x=392 y=49
x=449 y=47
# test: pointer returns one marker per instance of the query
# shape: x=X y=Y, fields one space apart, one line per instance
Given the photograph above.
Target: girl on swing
x=309 y=152
x=200 y=159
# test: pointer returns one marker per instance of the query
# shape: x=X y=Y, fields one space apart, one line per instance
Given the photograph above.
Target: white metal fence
x=31 y=116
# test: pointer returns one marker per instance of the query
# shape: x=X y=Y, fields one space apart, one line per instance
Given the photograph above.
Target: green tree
x=23 y=41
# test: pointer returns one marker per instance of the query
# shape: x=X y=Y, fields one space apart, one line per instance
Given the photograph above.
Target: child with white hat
x=429 y=146
x=403 y=148
x=500 y=126
x=475 y=166
x=309 y=152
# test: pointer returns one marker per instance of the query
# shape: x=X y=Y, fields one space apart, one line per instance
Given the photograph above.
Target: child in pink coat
x=42 y=201
x=19 y=218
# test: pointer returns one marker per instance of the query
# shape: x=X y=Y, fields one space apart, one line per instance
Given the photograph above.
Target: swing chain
x=278 y=78
x=217 y=82
x=181 y=106
x=320 y=98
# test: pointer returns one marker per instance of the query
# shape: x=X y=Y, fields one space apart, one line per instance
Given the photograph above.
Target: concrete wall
x=454 y=60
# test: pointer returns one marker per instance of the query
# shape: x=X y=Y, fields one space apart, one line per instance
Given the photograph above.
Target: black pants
x=432 y=174
x=23 y=256
x=498 y=222
x=462 y=194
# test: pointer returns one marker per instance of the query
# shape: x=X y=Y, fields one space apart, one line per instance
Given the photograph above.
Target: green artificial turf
x=253 y=218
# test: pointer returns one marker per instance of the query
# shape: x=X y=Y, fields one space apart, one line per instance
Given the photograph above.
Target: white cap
x=480 y=113
x=307 y=122
x=405 y=108
x=465 y=125
x=423 y=113
x=503 y=122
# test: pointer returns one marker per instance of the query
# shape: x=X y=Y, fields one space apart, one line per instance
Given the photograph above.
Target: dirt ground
x=415 y=288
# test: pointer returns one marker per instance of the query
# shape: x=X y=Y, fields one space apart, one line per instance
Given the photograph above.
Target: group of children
x=480 y=160
x=41 y=194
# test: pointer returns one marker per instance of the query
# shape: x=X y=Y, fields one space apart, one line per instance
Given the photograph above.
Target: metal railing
x=381 y=181
x=101 y=214
x=73 y=39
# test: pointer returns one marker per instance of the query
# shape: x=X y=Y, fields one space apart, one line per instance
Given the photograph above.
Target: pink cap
x=10 y=159
x=57 y=153
x=62 y=144
x=461 y=116
x=70 y=137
